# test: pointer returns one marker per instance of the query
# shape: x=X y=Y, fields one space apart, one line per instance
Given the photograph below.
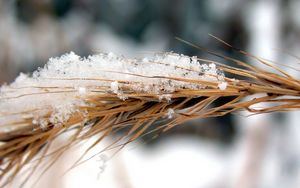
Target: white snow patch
x=82 y=90
x=62 y=113
x=55 y=88
x=170 y=113
x=222 y=85
x=167 y=97
x=114 y=87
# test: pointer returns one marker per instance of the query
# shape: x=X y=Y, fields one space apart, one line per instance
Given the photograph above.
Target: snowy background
x=232 y=151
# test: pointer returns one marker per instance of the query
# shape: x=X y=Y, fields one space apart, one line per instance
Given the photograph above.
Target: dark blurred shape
x=28 y=10
x=62 y=7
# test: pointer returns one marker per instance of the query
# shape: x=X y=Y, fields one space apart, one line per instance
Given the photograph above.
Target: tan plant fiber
x=106 y=111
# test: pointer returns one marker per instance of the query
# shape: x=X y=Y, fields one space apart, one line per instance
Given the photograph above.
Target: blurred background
x=233 y=151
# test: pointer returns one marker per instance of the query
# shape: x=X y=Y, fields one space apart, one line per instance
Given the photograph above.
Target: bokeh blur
x=233 y=151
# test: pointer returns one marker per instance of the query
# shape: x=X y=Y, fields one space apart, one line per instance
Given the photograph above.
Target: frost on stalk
x=114 y=87
x=62 y=113
x=54 y=93
x=82 y=90
x=170 y=113
x=167 y=97
x=222 y=85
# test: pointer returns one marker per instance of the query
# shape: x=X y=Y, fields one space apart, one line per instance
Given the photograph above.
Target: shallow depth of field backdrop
x=232 y=151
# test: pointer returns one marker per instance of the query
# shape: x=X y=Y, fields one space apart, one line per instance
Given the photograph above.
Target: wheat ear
x=104 y=93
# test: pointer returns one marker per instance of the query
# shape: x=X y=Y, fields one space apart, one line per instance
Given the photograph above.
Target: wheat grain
x=104 y=93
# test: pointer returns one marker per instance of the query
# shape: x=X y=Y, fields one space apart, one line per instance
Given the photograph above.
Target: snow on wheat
x=65 y=82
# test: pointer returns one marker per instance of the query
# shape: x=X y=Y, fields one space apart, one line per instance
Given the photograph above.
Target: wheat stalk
x=105 y=93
